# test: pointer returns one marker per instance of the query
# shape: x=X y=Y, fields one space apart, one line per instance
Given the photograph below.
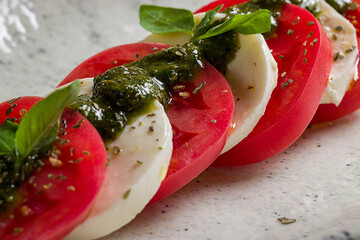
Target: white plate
x=316 y=181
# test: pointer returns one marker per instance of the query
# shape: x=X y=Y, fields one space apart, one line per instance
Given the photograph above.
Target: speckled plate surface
x=316 y=181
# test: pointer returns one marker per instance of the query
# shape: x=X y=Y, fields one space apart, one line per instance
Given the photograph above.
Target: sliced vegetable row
x=54 y=162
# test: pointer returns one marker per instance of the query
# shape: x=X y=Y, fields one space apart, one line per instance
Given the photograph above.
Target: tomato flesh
x=56 y=198
x=304 y=58
x=351 y=101
x=200 y=122
x=200 y=126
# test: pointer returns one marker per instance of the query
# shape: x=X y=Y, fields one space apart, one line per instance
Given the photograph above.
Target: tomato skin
x=200 y=123
x=110 y=58
x=57 y=204
x=330 y=112
x=200 y=136
x=290 y=108
x=351 y=101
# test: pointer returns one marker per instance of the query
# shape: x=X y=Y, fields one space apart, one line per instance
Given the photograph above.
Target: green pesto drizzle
x=123 y=93
x=11 y=178
x=219 y=50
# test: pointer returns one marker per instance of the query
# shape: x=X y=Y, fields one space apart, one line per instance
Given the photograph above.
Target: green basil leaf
x=7 y=137
x=203 y=26
x=257 y=22
x=38 y=128
x=166 y=20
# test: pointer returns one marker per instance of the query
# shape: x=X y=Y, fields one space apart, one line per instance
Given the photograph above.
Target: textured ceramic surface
x=316 y=181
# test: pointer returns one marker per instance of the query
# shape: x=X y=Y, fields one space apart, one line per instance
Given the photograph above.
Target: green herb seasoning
x=126 y=194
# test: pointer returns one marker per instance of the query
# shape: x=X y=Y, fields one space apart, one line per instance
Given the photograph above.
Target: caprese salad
x=146 y=118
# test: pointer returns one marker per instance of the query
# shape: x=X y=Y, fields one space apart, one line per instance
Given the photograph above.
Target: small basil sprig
x=38 y=128
x=170 y=20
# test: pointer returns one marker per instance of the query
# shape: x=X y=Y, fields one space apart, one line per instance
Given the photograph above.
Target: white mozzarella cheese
x=252 y=76
x=342 y=35
x=138 y=162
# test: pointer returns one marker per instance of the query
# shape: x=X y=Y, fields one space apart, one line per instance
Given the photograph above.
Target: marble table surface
x=315 y=181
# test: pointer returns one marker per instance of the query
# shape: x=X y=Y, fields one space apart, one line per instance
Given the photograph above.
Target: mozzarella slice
x=252 y=75
x=342 y=35
x=138 y=162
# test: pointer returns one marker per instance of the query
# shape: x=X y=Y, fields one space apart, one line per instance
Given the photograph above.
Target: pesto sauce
x=219 y=50
x=122 y=93
x=101 y=114
x=11 y=179
x=173 y=65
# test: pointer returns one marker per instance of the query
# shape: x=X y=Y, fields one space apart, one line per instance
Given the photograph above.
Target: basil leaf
x=7 y=137
x=203 y=26
x=38 y=128
x=166 y=20
x=257 y=22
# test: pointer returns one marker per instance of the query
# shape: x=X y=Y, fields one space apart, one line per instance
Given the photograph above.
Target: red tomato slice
x=351 y=100
x=55 y=199
x=200 y=122
x=304 y=58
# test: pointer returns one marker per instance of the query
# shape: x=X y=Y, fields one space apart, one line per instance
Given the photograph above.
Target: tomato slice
x=200 y=122
x=351 y=101
x=304 y=58
x=56 y=198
